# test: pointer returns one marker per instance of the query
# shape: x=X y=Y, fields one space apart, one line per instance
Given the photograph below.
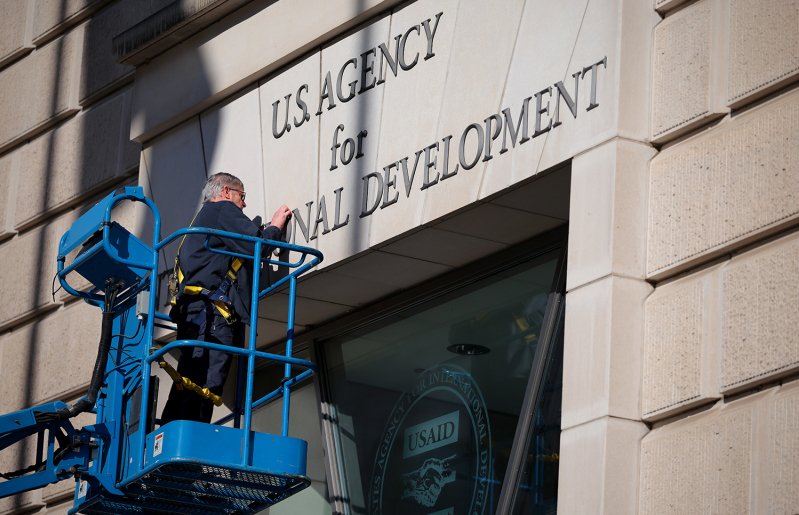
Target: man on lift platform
x=213 y=293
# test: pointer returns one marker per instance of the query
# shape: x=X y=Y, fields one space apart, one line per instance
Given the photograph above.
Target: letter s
x=302 y=105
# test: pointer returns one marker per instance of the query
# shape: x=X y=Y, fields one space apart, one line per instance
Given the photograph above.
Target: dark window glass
x=425 y=402
x=538 y=481
x=304 y=424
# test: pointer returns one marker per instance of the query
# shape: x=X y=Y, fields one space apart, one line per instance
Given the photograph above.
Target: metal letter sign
x=434 y=454
x=370 y=69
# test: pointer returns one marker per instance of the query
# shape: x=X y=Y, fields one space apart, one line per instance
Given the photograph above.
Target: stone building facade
x=424 y=145
x=65 y=116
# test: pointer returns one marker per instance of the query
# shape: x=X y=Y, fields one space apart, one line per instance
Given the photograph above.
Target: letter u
x=286 y=126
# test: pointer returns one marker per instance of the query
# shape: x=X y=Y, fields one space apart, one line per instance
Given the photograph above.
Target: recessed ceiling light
x=468 y=349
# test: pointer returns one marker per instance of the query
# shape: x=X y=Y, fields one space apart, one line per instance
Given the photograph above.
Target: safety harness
x=218 y=298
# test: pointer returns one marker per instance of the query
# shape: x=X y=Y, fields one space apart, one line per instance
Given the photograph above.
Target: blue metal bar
x=129 y=195
x=236 y=415
x=107 y=228
x=289 y=264
x=62 y=273
x=251 y=357
x=95 y=466
x=145 y=365
x=242 y=237
x=289 y=384
x=113 y=254
x=289 y=345
x=115 y=381
x=10 y=438
x=202 y=230
x=161 y=316
x=270 y=396
x=243 y=256
x=39 y=446
x=149 y=329
x=283 y=281
x=230 y=350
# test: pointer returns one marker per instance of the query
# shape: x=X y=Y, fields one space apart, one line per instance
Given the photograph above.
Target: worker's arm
x=232 y=219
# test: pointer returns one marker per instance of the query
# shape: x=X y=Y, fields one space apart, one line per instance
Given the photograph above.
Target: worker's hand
x=280 y=218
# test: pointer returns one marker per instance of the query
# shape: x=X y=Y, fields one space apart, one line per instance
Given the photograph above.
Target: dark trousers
x=205 y=367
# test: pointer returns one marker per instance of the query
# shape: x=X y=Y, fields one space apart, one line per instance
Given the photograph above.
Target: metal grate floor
x=188 y=489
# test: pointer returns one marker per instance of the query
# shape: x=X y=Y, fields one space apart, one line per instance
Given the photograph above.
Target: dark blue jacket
x=203 y=268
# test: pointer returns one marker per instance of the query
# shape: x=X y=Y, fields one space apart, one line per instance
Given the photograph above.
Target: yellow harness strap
x=178 y=273
x=184 y=382
x=220 y=306
x=223 y=309
x=524 y=325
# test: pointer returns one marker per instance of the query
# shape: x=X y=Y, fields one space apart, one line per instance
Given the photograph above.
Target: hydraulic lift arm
x=70 y=458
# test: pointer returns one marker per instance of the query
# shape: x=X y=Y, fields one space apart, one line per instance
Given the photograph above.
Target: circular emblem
x=434 y=455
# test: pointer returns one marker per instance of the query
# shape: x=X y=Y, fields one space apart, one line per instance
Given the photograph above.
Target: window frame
x=535 y=383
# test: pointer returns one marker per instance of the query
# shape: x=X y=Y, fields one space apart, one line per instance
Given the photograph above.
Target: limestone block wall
x=15 y=30
x=54 y=17
x=45 y=74
x=8 y=174
x=721 y=355
x=724 y=187
x=684 y=45
x=738 y=457
x=681 y=346
x=718 y=457
x=64 y=144
x=760 y=308
x=78 y=170
x=763 y=42
x=663 y=6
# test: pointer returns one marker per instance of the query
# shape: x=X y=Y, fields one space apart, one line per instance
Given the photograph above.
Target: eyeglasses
x=240 y=193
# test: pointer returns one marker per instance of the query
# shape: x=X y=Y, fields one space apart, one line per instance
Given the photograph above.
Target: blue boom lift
x=122 y=463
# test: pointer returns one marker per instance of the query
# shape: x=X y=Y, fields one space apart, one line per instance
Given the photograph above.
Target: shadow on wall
x=361 y=121
x=172 y=172
x=87 y=162
x=26 y=449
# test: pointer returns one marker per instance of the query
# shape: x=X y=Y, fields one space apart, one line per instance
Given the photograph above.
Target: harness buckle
x=173 y=288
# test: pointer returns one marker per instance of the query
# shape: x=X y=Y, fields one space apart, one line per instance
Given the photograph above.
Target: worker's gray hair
x=215 y=184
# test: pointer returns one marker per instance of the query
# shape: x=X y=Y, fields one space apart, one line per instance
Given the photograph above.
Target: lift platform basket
x=188 y=470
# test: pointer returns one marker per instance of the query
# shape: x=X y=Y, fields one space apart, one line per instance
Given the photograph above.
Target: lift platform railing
x=149 y=277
